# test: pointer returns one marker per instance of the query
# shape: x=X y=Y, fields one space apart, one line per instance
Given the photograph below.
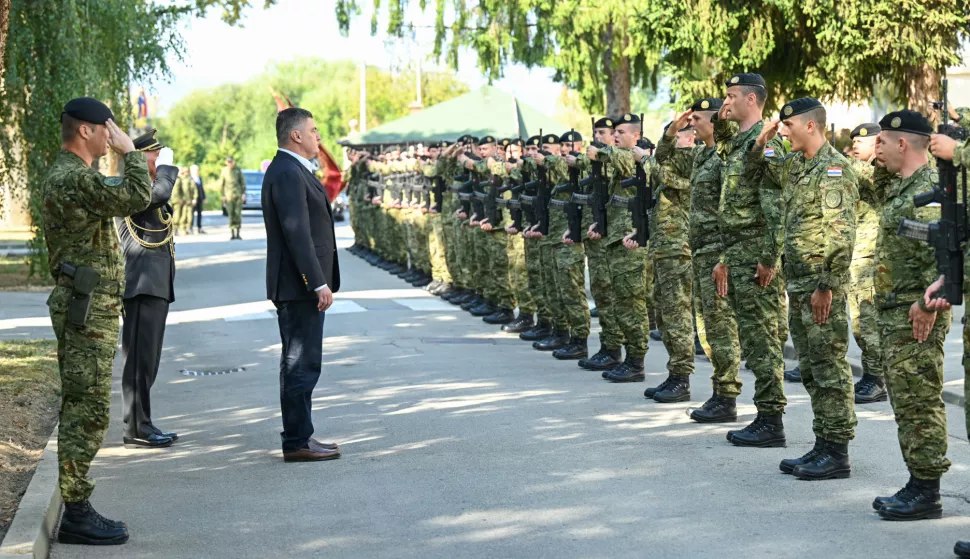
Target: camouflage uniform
x=626 y=267
x=79 y=204
x=570 y=260
x=497 y=244
x=913 y=370
x=750 y=231
x=233 y=187
x=183 y=203
x=862 y=309
x=436 y=234
x=820 y=197
x=600 y=281
x=518 y=266
x=534 y=260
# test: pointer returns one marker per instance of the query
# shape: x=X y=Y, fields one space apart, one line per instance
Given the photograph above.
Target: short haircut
x=70 y=127
x=918 y=141
x=816 y=115
x=289 y=120
x=760 y=93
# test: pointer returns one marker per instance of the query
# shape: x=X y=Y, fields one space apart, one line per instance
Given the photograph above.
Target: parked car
x=339 y=206
x=254 y=188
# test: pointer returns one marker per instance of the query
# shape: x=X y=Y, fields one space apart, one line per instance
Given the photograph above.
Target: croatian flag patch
x=770 y=152
x=835 y=171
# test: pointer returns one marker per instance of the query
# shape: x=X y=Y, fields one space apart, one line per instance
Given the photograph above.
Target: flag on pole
x=142 y=104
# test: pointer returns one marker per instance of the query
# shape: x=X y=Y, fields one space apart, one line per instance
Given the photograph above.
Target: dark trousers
x=198 y=214
x=301 y=329
x=141 y=346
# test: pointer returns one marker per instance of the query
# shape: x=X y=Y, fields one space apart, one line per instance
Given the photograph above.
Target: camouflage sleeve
x=583 y=164
x=873 y=190
x=961 y=155
x=665 y=149
x=528 y=165
x=497 y=168
x=516 y=174
x=838 y=200
x=964 y=112
x=724 y=130
x=928 y=214
x=117 y=196
x=769 y=168
x=620 y=159
x=481 y=167
x=556 y=169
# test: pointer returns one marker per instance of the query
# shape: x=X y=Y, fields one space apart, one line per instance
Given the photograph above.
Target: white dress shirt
x=309 y=167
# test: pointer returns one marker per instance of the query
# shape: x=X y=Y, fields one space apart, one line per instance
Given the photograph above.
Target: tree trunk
x=4 y=26
x=922 y=89
x=616 y=68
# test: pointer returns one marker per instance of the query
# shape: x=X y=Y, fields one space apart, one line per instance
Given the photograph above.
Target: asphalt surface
x=460 y=441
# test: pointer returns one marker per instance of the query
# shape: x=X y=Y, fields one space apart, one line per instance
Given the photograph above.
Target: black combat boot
x=656 y=335
x=962 y=550
x=446 y=291
x=919 y=500
x=788 y=464
x=82 y=525
x=870 y=389
x=764 y=432
x=594 y=312
x=831 y=462
x=648 y=393
x=407 y=273
x=484 y=309
x=422 y=280
x=500 y=316
x=631 y=370
x=605 y=359
x=794 y=375
x=540 y=331
x=716 y=409
x=558 y=339
x=698 y=348
x=459 y=297
x=472 y=302
x=677 y=390
x=575 y=349
x=520 y=324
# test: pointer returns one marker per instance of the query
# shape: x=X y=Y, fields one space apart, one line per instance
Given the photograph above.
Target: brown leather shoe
x=312 y=453
x=326 y=446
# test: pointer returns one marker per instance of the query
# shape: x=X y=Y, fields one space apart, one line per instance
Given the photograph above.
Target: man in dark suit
x=146 y=240
x=302 y=274
x=200 y=195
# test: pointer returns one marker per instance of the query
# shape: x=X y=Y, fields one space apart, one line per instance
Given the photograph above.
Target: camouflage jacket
x=557 y=172
x=670 y=216
x=867 y=219
x=231 y=183
x=619 y=222
x=185 y=191
x=819 y=223
x=79 y=204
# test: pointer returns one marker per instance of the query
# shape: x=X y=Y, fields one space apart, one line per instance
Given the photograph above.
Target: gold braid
x=168 y=230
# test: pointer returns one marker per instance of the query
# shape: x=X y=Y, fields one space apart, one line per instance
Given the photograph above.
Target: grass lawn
x=14 y=275
x=29 y=404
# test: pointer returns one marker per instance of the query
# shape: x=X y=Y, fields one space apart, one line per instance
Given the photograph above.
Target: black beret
x=550 y=139
x=441 y=144
x=473 y=139
x=88 y=110
x=629 y=118
x=487 y=140
x=505 y=142
x=571 y=136
x=518 y=142
x=869 y=129
x=605 y=122
x=753 y=80
x=707 y=104
x=533 y=141
x=907 y=121
x=147 y=142
x=799 y=106
x=463 y=138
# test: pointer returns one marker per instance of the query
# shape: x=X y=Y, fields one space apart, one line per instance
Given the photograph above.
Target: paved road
x=462 y=442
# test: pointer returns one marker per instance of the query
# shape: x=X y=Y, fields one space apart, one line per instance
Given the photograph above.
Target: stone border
x=32 y=530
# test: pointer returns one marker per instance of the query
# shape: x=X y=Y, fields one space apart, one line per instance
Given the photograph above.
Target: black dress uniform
x=146 y=240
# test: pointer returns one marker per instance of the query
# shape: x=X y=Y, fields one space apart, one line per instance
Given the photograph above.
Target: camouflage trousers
x=182 y=216
x=601 y=287
x=865 y=317
x=825 y=370
x=499 y=289
x=452 y=229
x=717 y=328
x=519 y=275
x=463 y=253
x=533 y=268
x=550 y=289
x=436 y=248
x=757 y=310
x=914 y=377
x=473 y=256
x=627 y=269
x=674 y=310
x=397 y=240
x=571 y=283
x=421 y=231
x=649 y=286
x=234 y=209
x=85 y=356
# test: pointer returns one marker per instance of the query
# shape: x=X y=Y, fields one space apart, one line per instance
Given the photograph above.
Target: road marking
x=426 y=304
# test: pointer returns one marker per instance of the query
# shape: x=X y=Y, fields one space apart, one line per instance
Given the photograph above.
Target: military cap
x=907 y=121
x=505 y=142
x=707 y=104
x=629 y=118
x=550 y=139
x=229 y=158
x=533 y=141
x=518 y=142
x=473 y=139
x=868 y=129
x=799 y=106
x=751 y=80
x=442 y=144
x=147 y=142
x=605 y=122
x=463 y=138
x=486 y=140
x=88 y=110
x=571 y=136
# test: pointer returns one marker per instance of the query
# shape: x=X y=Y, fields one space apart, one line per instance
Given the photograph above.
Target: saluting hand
x=767 y=133
x=679 y=123
x=117 y=139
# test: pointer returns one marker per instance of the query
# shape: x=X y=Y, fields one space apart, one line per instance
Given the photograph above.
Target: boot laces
x=712 y=403
x=755 y=426
x=909 y=493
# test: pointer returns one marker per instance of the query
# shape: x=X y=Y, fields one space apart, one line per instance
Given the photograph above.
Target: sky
x=218 y=53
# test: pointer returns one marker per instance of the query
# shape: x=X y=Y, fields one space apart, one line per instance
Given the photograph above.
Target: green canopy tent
x=488 y=111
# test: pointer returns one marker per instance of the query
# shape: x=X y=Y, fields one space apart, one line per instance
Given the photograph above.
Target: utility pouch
x=85 y=280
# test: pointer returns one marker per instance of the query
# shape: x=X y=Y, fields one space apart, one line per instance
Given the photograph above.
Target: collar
x=303 y=160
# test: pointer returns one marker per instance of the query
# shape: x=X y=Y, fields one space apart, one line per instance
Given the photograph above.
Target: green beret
x=867 y=130
x=629 y=118
x=550 y=139
x=533 y=141
x=571 y=136
x=907 y=121
x=147 y=141
x=88 y=110
x=751 y=80
x=707 y=104
x=799 y=106
x=605 y=122
x=486 y=140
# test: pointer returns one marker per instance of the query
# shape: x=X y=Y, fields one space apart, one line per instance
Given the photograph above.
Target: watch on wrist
x=824 y=287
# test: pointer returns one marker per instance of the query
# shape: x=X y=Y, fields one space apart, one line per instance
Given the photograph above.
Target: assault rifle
x=947 y=235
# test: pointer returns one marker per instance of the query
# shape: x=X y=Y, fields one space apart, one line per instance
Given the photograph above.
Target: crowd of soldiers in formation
x=756 y=230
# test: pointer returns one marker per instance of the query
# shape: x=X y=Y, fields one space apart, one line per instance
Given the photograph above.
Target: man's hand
x=638 y=152
x=486 y=226
x=679 y=123
x=821 y=305
x=566 y=240
x=767 y=133
x=952 y=111
x=511 y=230
x=764 y=274
x=591 y=152
x=628 y=241
x=570 y=160
x=939 y=304
x=117 y=139
x=942 y=147
x=324 y=299
x=592 y=234
x=539 y=158
x=922 y=322
x=461 y=215
x=165 y=157
x=720 y=278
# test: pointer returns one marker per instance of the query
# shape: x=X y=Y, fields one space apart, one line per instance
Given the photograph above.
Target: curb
x=31 y=532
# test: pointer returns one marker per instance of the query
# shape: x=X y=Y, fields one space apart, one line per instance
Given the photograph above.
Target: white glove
x=165 y=157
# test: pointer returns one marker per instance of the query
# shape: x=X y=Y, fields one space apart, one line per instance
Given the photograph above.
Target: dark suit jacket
x=200 y=191
x=150 y=271
x=301 y=250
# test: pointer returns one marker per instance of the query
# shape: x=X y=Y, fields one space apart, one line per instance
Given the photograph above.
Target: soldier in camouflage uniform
x=627 y=267
x=749 y=221
x=535 y=259
x=183 y=202
x=820 y=193
x=862 y=309
x=79 y=204
x=497 y=243
x=912 y=334
x=518 y=267
x=233 y=188
x=441 y=275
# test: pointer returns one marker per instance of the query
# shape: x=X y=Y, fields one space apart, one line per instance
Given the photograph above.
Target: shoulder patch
x=833 y=199
x=770 y=152
x=835 y=171
x=113 y=181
